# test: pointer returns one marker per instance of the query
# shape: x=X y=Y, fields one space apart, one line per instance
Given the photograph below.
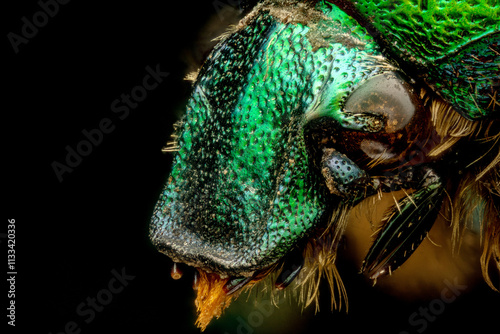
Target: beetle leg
x=291 y=268
x=405 y=228
x=341 y=174
x=235 y=284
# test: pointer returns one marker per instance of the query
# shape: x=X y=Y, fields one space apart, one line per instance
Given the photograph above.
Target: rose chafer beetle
x=306 y=109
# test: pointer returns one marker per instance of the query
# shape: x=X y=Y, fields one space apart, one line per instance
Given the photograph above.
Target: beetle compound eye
x=388 y=95
x=382 y=124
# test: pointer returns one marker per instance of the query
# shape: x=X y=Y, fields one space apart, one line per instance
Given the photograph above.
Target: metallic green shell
x=453 y=45
x=241 y=194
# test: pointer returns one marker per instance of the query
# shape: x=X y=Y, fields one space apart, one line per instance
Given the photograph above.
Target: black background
x=70 y=235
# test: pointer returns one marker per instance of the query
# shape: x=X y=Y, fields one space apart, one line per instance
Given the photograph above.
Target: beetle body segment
x=241 y=194
x=305 y=110
x=453 y=45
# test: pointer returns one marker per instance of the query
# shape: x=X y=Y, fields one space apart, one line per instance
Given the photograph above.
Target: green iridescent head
x=247 y=185
x=241 y=194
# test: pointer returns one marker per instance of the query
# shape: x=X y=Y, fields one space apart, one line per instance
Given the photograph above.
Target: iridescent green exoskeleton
x=307 y=106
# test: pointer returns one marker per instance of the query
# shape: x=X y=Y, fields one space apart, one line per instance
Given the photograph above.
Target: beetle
x=304 y=110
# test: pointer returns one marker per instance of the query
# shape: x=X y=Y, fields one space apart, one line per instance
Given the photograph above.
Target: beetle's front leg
x=406 y=226
x=342 y=176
